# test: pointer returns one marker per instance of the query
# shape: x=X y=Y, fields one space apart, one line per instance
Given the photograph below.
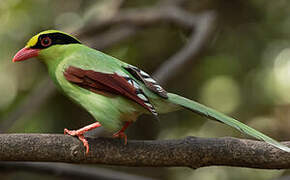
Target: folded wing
x=99 y=82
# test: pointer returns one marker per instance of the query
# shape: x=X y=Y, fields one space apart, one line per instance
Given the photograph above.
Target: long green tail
x=212 y=114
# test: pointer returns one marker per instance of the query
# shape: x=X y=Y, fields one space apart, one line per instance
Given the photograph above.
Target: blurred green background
x=244 y=71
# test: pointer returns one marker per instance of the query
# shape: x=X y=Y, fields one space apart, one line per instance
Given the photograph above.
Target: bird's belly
x=110 y=110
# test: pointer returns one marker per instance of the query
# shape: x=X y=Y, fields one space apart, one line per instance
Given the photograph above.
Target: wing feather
x=110 y=83
x=149 y=82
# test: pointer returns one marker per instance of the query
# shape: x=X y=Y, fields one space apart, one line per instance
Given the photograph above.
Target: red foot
x=121 y=134
x=80 y=134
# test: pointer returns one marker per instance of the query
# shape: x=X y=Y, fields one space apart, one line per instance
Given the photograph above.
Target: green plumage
x=215 y=115
x=113 y=111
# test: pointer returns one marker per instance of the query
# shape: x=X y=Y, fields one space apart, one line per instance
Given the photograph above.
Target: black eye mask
x=47 y=40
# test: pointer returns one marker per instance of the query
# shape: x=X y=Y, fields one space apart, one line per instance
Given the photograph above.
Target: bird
x=113 y=92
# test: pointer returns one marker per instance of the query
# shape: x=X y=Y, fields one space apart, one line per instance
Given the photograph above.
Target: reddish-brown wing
x=109 y=83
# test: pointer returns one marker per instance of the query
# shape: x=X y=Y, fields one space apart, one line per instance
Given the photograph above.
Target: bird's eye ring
x=45 y=42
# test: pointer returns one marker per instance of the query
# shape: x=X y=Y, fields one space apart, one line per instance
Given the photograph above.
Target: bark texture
x=189 y=152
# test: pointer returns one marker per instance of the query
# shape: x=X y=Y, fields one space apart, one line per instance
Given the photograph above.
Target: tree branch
x=202 y=30
x=189 y=152
x=143 y=18
x=110 y=37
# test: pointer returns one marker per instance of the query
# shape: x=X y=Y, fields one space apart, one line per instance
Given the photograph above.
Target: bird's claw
x=85 y=142
x=121 y=135
x=70 y=132
x=81 y=137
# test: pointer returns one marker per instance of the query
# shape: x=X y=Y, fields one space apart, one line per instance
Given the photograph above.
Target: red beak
x=24 y=54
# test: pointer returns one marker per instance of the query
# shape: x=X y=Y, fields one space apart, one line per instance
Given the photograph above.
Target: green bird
x=113 y=92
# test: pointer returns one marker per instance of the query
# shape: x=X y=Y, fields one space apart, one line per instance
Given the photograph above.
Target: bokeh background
x=243 y=71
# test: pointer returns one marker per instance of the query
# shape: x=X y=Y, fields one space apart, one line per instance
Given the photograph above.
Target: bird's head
x=42 y=42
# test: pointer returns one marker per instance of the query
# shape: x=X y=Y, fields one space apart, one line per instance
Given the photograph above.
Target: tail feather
x=214 y=115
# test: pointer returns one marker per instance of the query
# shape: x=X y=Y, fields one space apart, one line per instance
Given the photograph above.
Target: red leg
x=80 y=133
x=121 y=134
